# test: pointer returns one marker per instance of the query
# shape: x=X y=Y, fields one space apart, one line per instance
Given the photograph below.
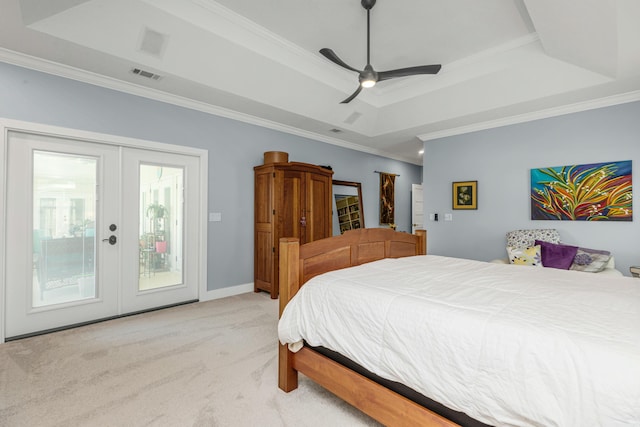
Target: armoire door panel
x=319 y=205
x=263 y=274
x=292 y=206
x=264 y=231
x=263 y=205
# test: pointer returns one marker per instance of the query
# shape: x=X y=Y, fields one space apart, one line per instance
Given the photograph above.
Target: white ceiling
x=503 y=61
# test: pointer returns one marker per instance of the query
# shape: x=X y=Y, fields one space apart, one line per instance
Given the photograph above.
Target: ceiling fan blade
x=353 y=95
x=411 y=71
x=331 y=56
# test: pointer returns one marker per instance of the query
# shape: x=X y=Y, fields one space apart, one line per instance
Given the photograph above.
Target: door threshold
x=91 y=322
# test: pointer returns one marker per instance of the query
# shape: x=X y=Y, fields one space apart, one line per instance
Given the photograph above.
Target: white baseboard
x=227 y=292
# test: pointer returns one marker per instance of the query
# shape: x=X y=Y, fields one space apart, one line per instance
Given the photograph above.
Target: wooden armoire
x=291 y=200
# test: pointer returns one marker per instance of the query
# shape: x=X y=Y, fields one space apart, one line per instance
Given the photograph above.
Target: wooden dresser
x=291 y=200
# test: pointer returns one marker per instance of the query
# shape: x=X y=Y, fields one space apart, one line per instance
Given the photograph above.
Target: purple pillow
x=557 y=256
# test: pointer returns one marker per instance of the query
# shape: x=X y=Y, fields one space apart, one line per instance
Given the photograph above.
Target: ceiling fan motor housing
x=368 y=75
x=368 y=4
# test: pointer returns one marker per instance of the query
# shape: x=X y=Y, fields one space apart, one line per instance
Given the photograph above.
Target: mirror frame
x=358 y=187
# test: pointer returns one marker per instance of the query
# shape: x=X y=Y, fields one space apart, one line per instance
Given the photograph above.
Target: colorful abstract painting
x=594 y=192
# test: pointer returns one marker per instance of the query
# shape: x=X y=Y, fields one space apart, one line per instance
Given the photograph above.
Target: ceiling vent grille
x=146 y=74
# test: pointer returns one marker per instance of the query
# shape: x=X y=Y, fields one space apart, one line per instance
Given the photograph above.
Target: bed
x=492 y=344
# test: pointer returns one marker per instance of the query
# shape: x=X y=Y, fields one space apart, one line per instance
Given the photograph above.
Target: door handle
x=112 y=240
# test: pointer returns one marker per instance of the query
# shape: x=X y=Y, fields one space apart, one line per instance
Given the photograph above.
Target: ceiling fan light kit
x=369 y=77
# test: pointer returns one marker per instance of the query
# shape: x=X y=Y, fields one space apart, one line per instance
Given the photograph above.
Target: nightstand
x=635 y=271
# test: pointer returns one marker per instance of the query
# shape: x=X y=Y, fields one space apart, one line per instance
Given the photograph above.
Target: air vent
x=334 y=130
x=146 y=74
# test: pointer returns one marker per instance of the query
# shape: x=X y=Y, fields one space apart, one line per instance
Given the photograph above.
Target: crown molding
x=53 y=68
x=72 y=73
x=593 y=104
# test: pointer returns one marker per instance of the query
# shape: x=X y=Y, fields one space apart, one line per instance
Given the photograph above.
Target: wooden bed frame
x=298 y=264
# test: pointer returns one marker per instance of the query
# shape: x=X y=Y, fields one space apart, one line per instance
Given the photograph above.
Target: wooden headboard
x=298 y=263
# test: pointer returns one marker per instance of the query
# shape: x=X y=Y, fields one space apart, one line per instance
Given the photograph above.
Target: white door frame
x=415 y=211
x=7 y=125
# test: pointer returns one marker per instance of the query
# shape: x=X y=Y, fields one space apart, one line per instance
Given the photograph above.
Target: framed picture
x=591 y=192
x=465 y=195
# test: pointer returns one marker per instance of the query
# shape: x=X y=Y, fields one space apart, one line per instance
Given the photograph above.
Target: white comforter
x=508 y=345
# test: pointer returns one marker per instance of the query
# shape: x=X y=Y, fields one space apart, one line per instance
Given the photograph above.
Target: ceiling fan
x=369 y=77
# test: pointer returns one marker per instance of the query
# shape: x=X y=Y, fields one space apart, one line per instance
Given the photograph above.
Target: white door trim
x=7 y=125
x=417 y=210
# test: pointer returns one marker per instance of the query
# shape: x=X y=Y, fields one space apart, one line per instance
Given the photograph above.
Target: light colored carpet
x=205 y=364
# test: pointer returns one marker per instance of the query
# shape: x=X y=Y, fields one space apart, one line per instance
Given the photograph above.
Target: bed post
x=422 y=242
x=289 y=270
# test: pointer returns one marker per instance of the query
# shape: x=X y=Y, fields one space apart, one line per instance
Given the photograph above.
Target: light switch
x=215 y=216
x=448 y=217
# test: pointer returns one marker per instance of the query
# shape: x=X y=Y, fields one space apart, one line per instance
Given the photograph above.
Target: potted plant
x=156 y=211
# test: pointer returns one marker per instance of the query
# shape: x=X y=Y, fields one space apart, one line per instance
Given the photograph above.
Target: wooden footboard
x=300 y=263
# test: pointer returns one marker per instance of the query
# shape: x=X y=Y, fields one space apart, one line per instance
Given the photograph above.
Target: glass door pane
x=160 y=226
x=64 y=209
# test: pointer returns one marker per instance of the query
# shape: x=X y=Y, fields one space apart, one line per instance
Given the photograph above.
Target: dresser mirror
x=347 y=206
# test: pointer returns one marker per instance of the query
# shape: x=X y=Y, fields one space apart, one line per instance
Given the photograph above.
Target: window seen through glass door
x=160 y=226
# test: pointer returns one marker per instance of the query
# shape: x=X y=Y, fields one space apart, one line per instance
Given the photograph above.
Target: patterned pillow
x=525 y=256
x=527 y=238
x=590 y=260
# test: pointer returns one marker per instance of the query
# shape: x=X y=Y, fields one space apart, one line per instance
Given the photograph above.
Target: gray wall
x=500 y=160
x=234 y=149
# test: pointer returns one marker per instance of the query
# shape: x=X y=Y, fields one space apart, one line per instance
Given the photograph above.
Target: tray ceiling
x=503 y=61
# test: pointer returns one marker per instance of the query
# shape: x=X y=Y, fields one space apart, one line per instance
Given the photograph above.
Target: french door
x=159 y=236
x=95 y=230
